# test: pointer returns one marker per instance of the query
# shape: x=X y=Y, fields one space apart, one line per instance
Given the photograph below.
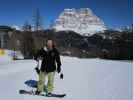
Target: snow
x=82 y=21
x=87 y=30
x=84 y=79
x=8 y=56
x=16 y=27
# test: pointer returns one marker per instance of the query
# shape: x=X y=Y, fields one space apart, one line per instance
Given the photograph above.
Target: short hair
x=53 y=42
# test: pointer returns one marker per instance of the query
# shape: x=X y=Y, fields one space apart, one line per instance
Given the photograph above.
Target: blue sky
x=114 y=13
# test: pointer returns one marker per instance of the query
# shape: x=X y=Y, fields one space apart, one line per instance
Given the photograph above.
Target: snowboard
x=33 y=93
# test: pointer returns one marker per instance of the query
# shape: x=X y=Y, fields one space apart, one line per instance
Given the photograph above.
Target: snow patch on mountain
x=16 y=27
x=82 y=21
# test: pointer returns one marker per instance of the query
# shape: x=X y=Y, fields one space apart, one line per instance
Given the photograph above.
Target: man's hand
x=37 y=60
x=61 y=76
x=37 y=70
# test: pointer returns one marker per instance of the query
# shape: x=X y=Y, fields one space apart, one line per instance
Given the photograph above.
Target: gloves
x=58 y=69
x=61 y=76
x=37 y=70
x=37 y=60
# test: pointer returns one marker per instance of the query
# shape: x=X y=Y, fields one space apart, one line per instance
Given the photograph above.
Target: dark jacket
x=49 y=59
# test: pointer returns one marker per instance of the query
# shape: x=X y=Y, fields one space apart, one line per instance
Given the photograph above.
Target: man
x=50 y=58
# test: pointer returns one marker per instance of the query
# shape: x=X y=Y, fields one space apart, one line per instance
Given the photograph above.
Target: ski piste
x=33 y=93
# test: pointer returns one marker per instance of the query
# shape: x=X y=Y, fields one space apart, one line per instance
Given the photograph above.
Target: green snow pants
x=42 y=79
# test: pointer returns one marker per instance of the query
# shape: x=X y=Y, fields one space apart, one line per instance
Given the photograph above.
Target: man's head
x=50 y=44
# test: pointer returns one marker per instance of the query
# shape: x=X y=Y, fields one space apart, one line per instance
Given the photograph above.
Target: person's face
x=50 y=44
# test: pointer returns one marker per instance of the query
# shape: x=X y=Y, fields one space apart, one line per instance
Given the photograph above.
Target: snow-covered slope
x=79 y=20
x=84 y=79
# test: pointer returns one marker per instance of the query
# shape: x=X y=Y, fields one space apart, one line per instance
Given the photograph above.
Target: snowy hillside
x=79 y=20
x=84 y=79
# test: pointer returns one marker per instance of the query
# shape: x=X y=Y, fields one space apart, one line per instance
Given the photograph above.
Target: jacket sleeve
x=38 y=54
x=58 y=61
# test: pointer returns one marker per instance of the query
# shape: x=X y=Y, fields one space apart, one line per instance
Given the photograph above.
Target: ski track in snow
x=84 y=79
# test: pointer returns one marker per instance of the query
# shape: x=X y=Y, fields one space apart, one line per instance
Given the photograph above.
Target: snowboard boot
x=49 y=94
x=37 y=92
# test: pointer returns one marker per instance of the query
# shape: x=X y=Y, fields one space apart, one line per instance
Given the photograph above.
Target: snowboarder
x=50 y=64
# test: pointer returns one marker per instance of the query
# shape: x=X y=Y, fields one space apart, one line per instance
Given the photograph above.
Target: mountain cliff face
x=82 y=21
